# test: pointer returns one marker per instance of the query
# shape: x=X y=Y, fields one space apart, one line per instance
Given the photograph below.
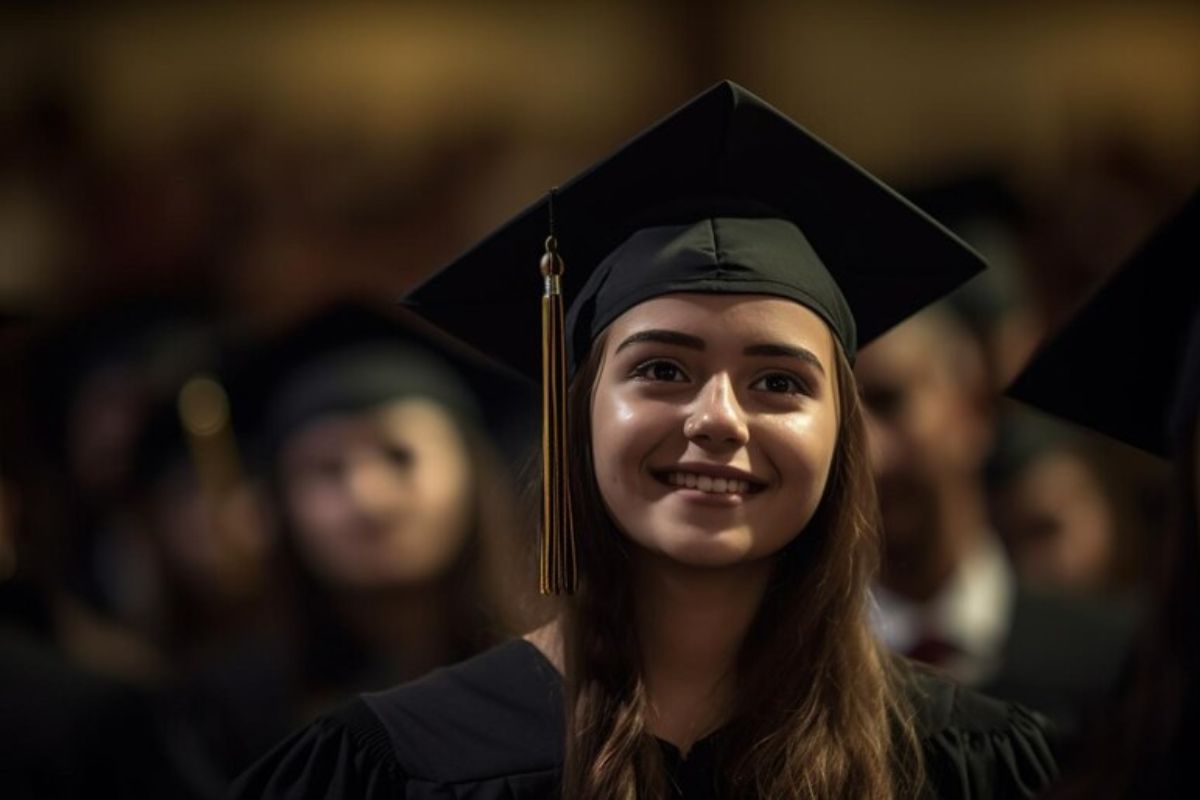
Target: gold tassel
x=557 y=568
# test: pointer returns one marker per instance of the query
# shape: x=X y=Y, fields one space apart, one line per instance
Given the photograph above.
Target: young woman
x=722 y=507
x=394 y=515
x=393 y=521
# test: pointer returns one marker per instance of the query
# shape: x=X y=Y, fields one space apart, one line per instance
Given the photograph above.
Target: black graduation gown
x=1063 y=656
x=492 y=728
x=66 y=732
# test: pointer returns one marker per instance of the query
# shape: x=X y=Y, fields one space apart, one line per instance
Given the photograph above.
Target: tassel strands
x=557 y=567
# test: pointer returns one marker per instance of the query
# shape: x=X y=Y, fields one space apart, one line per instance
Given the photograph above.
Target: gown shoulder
x=492 y=727
x=489 y=727
x=978 y=747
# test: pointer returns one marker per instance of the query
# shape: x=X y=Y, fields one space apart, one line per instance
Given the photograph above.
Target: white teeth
x=707 y=483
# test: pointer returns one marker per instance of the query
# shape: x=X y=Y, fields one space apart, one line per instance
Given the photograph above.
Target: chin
x=705 y=549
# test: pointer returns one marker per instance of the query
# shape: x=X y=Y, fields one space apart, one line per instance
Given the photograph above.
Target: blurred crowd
x=238 y=484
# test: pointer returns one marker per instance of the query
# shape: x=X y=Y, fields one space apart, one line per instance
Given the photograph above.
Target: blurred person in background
x=1143 y=326
x=67 y=730
x=1068 y=522
x=394 y=519
x=947 y=594
x=196 y=522
x=198 y=550
x=89 y=377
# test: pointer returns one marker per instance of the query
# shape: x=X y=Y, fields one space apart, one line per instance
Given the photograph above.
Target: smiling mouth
x=707 y=483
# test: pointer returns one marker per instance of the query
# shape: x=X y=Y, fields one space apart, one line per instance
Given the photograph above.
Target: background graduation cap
x=351 y=356
x=1119 y=364
x=888 y=257
x=724 y=195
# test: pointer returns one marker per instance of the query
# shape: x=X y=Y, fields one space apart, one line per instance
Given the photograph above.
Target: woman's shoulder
x=976 y=746
x=493 y=722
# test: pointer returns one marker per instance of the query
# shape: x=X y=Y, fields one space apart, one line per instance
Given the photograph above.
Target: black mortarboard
x=699 y=174
x=726 y=195
x=1119 y=364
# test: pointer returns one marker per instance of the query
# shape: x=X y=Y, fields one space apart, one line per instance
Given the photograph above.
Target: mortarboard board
x=725 y=195
x=731 y=151
x=1119 y=363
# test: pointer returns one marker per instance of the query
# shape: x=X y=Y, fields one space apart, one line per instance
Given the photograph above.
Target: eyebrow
x=696 y=343
x=787 y=351
x=663 y=337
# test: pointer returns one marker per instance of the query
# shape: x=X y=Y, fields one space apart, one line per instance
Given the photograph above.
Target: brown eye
x=665 y=371
x=780 y=383
x=399 y=455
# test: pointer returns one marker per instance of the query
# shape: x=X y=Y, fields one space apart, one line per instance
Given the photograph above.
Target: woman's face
x=381 y=497
x=714 y=422
x=1060 y=524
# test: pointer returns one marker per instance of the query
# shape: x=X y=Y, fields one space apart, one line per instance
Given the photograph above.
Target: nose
x=373 y=483
x=716 y=418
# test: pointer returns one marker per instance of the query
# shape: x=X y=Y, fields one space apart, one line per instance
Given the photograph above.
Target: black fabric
x=66 y=732
x=365 y=376
x=491 y=728
x=1064 y=655
x=350 y=356
x=1114 y=367
x=1186 y=407
x=835 y=232
x=717 y=255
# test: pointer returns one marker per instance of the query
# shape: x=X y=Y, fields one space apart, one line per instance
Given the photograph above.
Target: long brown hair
x=819 y=711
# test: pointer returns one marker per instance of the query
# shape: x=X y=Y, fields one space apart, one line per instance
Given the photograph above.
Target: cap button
x=552 y=264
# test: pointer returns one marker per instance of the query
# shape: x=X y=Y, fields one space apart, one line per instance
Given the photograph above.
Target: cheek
x=619 y=438
x=442 y=484
x=801 y=451
x=804 y=447
x=316 y=507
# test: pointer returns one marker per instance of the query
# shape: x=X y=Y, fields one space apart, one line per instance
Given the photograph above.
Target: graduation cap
x=1119 y=364
x=726 y=195
x=349 y=357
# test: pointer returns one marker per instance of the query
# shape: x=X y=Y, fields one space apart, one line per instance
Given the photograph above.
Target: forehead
x=906 y=353
x=925 y=348
x=416 y=415
x=742 y=319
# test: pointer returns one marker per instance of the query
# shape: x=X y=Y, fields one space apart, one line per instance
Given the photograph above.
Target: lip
x=719 y=500
x=712 y=471
x=710 y=499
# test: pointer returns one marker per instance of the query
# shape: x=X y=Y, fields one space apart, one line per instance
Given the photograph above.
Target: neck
x=691 y=624
x=964 y=508
x=409 y=627
x=961 y=522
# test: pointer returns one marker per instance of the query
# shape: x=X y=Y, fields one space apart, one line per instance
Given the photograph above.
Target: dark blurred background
x=181 y=188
